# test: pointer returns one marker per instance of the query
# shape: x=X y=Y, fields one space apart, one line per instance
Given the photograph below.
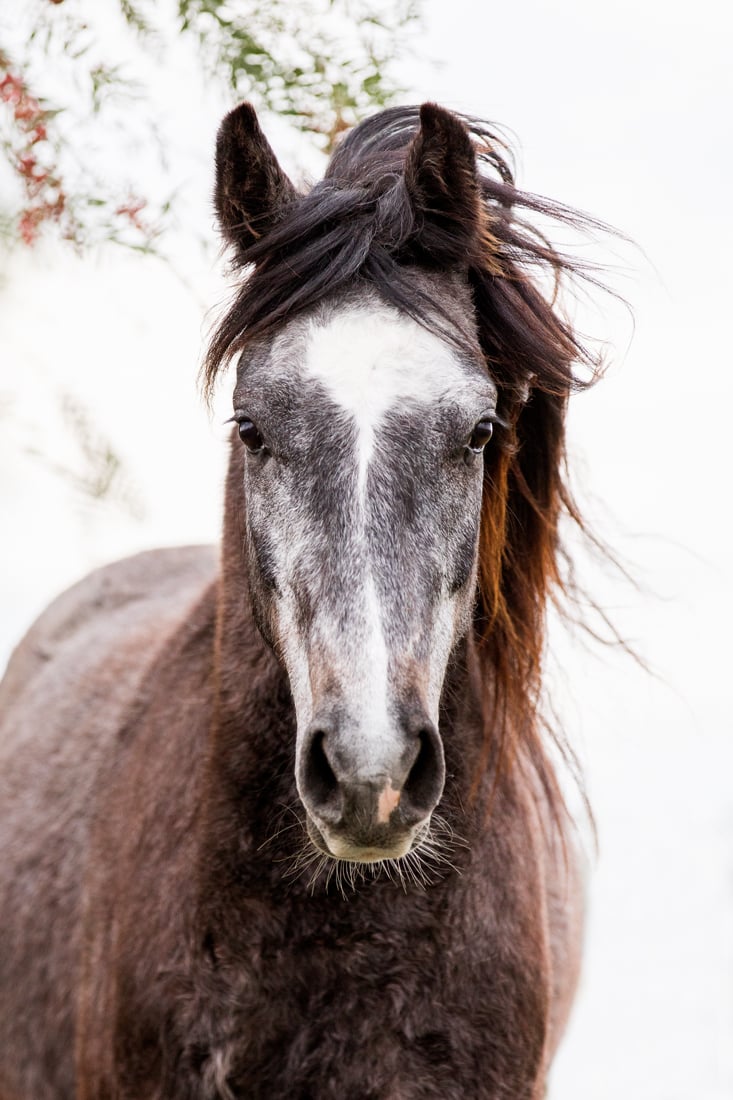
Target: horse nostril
x=424 y=783
x=320 y=781
x=351 y=793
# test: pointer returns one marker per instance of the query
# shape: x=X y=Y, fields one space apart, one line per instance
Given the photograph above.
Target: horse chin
x=342 y=848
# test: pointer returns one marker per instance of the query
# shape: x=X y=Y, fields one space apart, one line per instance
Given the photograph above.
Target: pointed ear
x=442 y=182
x=251 y=188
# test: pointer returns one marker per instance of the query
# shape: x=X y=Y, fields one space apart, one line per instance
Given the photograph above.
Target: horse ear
x=442 y=182
x=251 y=188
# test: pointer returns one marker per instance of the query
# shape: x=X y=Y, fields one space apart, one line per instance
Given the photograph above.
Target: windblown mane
x=358 y=225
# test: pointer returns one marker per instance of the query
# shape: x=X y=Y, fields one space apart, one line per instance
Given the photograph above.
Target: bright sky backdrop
x=622 y=110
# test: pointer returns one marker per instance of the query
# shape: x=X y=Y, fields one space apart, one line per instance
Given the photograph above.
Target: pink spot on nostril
x=388 y=801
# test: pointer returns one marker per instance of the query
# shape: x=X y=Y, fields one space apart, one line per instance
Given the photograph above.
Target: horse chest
x=389 y=1012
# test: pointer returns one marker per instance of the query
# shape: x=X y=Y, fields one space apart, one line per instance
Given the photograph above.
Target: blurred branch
x=321 y=63
x=95 y=469
x=35 y=148
x=323 y=87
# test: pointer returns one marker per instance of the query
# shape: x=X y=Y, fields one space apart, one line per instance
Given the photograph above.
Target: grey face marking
x=362 y=518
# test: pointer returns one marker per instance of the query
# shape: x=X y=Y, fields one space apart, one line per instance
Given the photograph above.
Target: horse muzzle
x=367 y=805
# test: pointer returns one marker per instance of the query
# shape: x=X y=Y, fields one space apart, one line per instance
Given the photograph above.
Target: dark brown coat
x=158 y=937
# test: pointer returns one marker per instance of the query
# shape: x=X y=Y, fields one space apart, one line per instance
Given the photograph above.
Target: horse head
x=364 y=432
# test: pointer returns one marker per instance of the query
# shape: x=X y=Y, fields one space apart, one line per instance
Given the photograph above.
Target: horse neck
x=251 y=693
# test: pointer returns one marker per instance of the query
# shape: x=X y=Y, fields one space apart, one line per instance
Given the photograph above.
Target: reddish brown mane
x=527 y=343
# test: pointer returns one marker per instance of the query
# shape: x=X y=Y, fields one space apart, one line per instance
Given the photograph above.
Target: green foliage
x=322 y=64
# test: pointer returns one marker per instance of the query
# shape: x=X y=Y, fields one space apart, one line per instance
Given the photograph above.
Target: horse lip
x=342 y=848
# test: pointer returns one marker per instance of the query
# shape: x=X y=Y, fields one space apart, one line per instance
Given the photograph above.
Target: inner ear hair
x=251 y=189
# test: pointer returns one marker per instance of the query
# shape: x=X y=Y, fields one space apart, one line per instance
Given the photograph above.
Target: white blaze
x=372 y=360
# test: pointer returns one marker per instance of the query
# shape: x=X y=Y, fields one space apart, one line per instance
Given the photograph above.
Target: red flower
x=27 y=108
x=131 y=209
x=11 y=88
x=28 y=226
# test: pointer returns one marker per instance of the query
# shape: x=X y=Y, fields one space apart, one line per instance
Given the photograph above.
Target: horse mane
x=358 y=227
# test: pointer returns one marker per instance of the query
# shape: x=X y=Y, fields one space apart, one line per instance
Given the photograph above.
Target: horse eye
x=481 y=435
x=250 y=436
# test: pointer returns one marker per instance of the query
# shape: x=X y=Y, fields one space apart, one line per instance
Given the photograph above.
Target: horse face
x=363 y=481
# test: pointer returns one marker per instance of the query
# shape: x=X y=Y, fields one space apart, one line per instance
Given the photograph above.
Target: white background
x=623 y=111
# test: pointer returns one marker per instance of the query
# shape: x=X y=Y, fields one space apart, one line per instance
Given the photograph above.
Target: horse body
x=226 y=876
x=234 y=979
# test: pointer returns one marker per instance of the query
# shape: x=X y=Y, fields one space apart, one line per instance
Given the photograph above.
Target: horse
x=285 y=822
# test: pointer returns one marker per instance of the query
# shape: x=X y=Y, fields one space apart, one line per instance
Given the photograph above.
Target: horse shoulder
x=69 y=685
x=102 y=607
